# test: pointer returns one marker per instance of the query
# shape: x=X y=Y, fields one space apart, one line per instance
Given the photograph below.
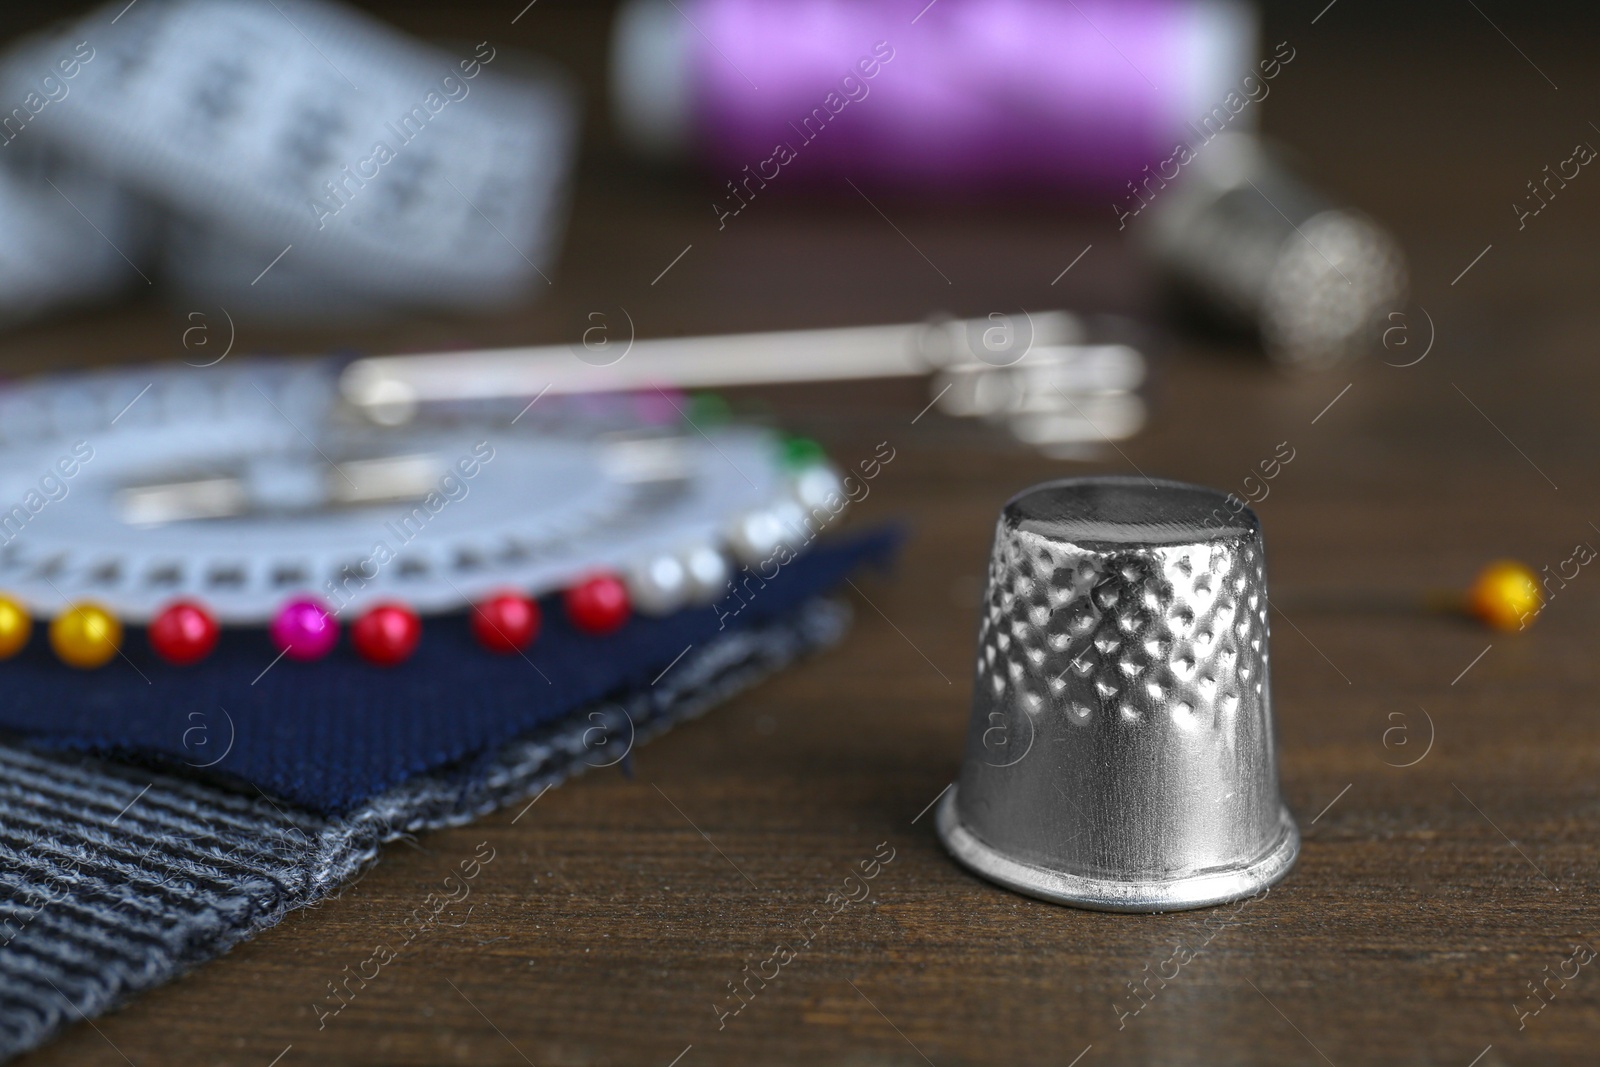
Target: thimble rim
x=1106 y=894
x=1179 y=512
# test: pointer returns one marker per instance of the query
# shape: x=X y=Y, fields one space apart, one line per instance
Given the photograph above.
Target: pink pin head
x=304 y=630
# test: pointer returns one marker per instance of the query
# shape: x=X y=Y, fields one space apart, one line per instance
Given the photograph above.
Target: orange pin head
x=1505 y=595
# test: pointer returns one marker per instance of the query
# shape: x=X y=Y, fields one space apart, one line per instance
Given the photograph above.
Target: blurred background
x=1426 y=118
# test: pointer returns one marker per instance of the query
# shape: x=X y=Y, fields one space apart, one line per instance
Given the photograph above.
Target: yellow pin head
x=1505 y=595
x=85 y=635
x=16 y=625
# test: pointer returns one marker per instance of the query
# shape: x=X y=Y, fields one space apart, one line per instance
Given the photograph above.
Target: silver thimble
x=1263 y=249
x=1120 y=753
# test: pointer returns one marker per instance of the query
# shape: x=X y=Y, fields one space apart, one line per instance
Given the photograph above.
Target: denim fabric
x=115 y=878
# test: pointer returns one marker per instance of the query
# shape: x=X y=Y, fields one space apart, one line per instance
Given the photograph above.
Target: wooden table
x=618 y=912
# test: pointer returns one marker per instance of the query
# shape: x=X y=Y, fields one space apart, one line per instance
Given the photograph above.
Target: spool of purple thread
x=949 y=97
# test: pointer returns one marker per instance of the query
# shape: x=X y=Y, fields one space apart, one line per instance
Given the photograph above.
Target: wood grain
x=618 y=911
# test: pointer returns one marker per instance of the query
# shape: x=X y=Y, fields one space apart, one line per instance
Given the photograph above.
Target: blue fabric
x=328 y=735
x=114 y=878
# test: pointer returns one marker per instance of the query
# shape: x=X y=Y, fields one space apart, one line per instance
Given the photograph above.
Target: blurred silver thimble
x=1263 y=249
x=1120 y=752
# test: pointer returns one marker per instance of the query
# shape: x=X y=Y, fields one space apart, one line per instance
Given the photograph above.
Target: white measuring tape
x=303 y=140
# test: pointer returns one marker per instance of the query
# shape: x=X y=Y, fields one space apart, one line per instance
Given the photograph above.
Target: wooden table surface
x=1426 y=899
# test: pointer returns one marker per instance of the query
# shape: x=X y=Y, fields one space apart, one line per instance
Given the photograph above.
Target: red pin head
x=183 y=633
x=598 y=604
x=505 y=622
x=387 y=634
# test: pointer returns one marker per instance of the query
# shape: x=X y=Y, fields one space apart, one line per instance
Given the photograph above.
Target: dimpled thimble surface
x=1120 y=752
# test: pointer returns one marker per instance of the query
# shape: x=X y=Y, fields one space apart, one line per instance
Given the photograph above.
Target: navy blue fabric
x=330 y=734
